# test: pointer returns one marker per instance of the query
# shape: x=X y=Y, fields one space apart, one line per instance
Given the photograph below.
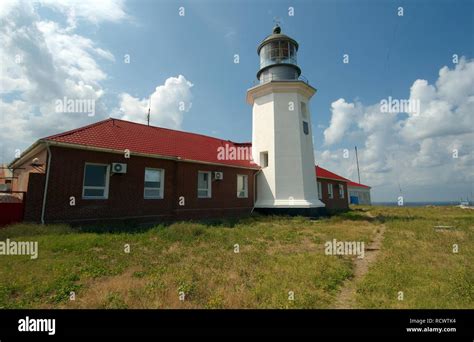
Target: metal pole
x=149 y=109
x=357 y=159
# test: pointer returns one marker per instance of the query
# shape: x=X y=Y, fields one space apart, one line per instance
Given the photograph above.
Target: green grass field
x=276 y=255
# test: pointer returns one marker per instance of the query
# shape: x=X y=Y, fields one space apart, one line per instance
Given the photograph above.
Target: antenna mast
x=148 y=115
x=357 y=159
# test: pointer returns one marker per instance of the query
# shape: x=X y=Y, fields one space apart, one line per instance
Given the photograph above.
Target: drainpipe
x=255 y=189
x=45 y=194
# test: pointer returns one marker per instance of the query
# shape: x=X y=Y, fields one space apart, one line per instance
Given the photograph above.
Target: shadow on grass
x=131 y=226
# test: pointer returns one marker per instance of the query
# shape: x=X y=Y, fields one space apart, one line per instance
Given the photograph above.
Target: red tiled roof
x=323 y=173
x=119 y=135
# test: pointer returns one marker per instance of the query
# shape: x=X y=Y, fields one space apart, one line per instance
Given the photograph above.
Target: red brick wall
x=125 y=198
x=34 y=197
x=335 y=203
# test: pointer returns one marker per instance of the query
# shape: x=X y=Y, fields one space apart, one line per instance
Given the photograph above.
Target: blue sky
x=202 y=44
x=387 y=54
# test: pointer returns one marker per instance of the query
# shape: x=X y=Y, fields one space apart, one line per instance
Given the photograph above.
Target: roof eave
x=36 y=147
x=335 y=179
x=148 y=155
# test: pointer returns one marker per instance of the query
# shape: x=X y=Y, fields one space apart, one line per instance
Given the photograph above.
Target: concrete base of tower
x=292 y=207
x=308 y=212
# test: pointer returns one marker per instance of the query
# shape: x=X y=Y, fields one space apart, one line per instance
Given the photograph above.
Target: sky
x=179 y=59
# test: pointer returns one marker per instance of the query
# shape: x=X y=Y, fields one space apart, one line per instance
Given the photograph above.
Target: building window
x=341 y=191
x=96 y=181
x=263 y=159
x=204 y=184
x=330 y=193
x=304 y=111
x=242 y=186
x=305 y=127
x=154 y=183
x=320 y=190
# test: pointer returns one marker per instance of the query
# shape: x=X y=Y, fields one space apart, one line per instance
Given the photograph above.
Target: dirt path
x=346 y=297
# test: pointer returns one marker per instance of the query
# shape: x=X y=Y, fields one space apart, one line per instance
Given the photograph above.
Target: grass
x=276 y=255
x=418 y=260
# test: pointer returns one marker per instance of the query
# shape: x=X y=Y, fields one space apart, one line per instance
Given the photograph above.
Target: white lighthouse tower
x=282 y=141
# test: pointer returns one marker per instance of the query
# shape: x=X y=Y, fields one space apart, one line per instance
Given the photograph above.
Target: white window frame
x=341 y=190
x=246 y=182
x=330 y=191
x=320 y=190
x=162 y=184
x=209 y=187
x=106 y=188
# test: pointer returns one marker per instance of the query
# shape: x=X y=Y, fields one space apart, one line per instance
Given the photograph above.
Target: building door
x=354 y=200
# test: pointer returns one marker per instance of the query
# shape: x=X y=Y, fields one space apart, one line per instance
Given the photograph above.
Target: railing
x=270 y=78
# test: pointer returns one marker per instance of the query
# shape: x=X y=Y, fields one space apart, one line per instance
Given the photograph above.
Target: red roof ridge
x=177 y=130
x=328 y=174
x=140 y=124
x=75 y=130
x=360 y=185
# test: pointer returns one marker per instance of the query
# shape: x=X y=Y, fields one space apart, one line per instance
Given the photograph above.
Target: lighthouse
x=282 y=141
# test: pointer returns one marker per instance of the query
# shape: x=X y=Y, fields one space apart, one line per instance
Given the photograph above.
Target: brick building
x=165 y=174
x=332 y=189
x=359 y=193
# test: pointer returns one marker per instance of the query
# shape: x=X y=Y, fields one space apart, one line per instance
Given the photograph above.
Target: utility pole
x=357 y=159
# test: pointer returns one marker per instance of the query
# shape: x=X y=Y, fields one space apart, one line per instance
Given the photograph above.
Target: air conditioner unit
x=218 y=175
x=119 y=168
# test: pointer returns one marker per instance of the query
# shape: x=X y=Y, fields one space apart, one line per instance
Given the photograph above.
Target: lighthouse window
x=284 y=49
x=277 y=52
x=304 y=111
x=292 y=51
x=305 y=127
x=263 y=159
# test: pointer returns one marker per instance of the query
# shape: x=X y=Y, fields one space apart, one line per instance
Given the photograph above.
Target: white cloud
x=89 y=10
x=341 y=119
x=411 y=150
x=446 y=109
x=168 y=104
x=44 y=61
